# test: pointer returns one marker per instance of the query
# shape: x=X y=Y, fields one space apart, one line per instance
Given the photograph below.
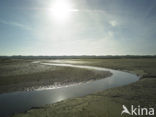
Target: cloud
x=110 y=34
x=113 y=23
x=16 y=24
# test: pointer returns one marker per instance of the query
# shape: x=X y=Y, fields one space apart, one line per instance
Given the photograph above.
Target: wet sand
x=19 y=75
x=108 y=103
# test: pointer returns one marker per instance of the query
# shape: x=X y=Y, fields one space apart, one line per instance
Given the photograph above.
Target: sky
x=77 y=27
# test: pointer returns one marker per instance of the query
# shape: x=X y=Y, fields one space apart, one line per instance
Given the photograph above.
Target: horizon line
x=79 y=55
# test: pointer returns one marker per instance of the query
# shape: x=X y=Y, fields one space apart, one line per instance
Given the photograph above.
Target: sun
x=61 y=10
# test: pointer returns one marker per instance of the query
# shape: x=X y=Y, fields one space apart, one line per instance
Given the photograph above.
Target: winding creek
x=21 y=101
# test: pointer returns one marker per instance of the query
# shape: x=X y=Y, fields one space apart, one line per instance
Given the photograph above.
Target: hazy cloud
x=113 y=23
x=16 y=24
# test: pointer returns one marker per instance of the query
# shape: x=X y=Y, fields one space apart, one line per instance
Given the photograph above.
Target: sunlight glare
x=61 y=10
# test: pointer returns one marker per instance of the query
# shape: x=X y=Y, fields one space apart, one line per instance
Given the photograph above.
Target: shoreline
x=59 y=76
x=107 y=97
x=105 y=102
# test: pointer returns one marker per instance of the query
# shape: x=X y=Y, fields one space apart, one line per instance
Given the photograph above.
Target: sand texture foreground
x=18 y=75
x=107 y=103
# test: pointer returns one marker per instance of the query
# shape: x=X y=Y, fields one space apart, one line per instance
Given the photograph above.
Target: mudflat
x=19 y=74
x=107 y=103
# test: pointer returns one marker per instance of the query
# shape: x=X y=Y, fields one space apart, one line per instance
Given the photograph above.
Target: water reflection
x=24 y=100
